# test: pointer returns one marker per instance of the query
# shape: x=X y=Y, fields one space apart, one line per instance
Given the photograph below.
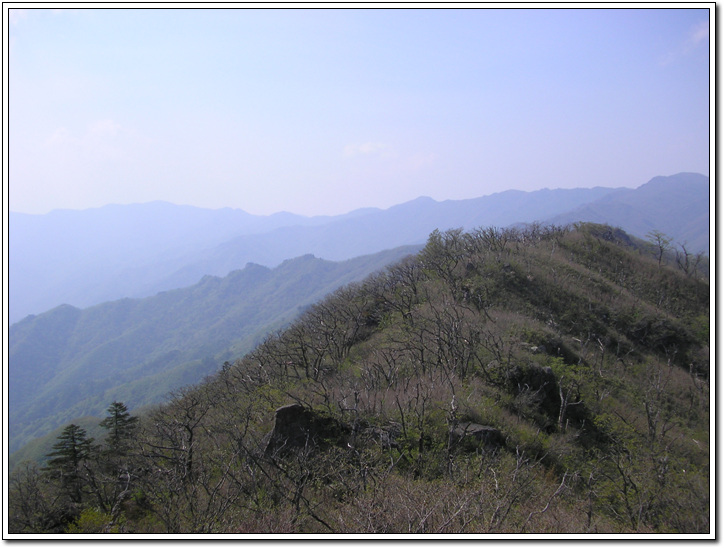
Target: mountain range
x=543 y=379
x=187 y=305
x=88 y=257
x=677 y=206
x=68 y=362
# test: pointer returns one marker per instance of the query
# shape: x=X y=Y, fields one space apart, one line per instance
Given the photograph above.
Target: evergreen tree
x=120 y=425
x=116 y=468
x=67 y=458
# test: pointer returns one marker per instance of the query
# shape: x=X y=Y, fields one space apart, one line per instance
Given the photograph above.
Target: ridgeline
x=536 y=380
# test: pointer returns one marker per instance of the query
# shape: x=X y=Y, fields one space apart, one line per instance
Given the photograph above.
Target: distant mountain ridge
x=677 y=206
x=405 y=224
x=91 y=256
x=68 y=362
x=94 y=255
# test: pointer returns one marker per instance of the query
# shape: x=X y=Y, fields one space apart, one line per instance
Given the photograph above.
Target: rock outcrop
x=384 y=437
x=296 y=426
x=471 y=436
x=539 y=384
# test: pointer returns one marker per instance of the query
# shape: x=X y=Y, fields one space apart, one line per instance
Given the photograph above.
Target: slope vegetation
x=70 y=362
x=546 y=380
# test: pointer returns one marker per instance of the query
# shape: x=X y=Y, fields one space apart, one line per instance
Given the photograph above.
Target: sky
x=323 y=111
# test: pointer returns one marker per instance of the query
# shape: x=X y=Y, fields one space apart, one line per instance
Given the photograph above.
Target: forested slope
x=71 y=362
x=546 y=380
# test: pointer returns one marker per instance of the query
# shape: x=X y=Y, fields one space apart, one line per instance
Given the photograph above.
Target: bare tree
x=661 y=243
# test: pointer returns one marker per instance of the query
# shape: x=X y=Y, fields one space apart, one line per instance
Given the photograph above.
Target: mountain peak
x=677 y=180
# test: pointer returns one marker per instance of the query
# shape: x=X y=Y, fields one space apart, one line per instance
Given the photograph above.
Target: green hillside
x=69 y=363
x=545 y=380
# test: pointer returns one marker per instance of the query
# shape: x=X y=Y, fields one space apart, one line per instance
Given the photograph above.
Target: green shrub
x=94 y=521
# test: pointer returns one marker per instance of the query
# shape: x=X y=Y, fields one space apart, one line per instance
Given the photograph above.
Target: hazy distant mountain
x=677 y=205
x=87 y=257
x=68 y=362
x=94 y=255
x=404 y=224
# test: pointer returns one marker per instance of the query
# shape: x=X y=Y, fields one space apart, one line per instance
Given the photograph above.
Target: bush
x=93 y=521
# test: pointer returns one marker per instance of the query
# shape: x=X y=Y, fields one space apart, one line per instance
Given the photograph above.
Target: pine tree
x=120 y=425
x=67 y=458
x=116 y=467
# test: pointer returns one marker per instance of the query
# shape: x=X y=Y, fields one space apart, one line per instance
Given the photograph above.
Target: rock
x=296 y=426
x=384 y=437
x=475 y=435
x=540 y=384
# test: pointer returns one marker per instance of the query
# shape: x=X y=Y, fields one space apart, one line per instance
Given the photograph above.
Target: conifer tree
x=66 y=460
x=116 y=468
x=120 y=425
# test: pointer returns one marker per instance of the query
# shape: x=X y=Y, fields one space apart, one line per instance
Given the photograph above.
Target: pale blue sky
x=324 y=111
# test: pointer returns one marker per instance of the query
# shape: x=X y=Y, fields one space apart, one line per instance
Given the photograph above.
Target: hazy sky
x=324 y=111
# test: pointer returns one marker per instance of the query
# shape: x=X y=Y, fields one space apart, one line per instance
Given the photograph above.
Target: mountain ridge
x=539 y=379
x=67 y=361
x=640 y=210
x=139 y=254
